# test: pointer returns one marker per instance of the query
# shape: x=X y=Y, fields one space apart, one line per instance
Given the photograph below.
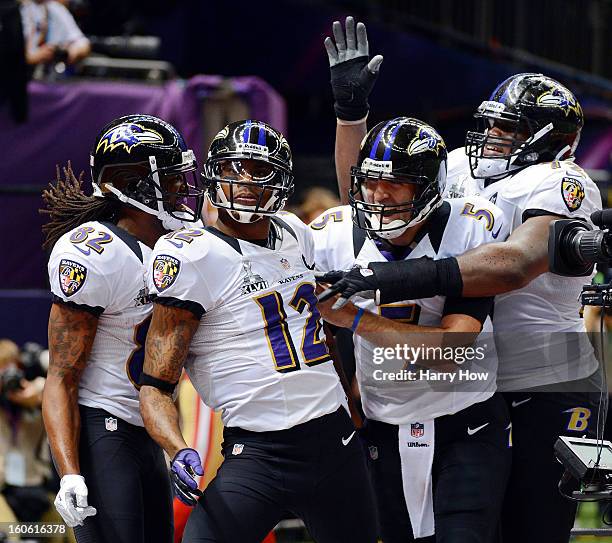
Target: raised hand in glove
x=353 y=74
x=184 y=467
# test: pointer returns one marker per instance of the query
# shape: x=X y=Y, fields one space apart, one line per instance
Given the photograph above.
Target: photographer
x=24 y=462
x=51 y=34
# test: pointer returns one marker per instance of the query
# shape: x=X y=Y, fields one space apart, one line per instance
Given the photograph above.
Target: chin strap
x=169 y=222
x=538 y=135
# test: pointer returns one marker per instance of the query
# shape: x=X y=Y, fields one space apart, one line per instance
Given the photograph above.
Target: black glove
x=353 y=74
x=389 y=282
x=348 y=283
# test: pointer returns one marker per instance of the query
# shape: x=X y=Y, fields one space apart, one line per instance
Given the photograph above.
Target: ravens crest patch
x=165 y=271
x=572 y=191
x=72 y=276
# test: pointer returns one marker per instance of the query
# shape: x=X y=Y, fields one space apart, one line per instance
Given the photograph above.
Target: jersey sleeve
x=561 y=190
x=79 y=281
x=328 y=230
x=176 y=275
x=475 y=221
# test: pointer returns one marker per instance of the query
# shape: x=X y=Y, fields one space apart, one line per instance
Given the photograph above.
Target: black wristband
x=417 y=278
x=150 y=381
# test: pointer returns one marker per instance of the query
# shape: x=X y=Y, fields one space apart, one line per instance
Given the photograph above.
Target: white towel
x=416 y=448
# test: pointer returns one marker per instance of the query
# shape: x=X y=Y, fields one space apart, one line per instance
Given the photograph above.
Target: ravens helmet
x=402 y=152
x=243 y=154
x=541 y=121
x=135 y=158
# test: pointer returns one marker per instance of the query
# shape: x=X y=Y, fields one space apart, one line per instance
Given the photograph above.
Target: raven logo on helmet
x=128 y=135
x=561 y=99
x=427 y=139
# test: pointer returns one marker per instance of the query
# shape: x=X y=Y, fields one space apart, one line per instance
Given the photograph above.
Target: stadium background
x=203 y=64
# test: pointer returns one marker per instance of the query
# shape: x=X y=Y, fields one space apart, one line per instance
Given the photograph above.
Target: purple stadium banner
x=66 y=117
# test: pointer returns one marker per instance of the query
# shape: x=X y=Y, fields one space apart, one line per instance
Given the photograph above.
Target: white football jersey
x=101 y=268
x=457 y=226
x=259 y=353
x=538 y=326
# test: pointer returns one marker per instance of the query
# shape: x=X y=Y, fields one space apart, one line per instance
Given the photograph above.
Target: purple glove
x=184 y=467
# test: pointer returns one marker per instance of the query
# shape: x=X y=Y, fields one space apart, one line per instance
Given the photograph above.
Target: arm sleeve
x=478 y=308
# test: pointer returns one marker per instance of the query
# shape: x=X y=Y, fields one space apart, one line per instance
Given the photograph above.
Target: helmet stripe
x=492 y=97
x=261 y=139
x=247 y=132
x=389 y=144
x=378 y=138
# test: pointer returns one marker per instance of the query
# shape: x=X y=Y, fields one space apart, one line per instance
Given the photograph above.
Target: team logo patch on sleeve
x=165 y=271
x=572 y=192
x=72 y=276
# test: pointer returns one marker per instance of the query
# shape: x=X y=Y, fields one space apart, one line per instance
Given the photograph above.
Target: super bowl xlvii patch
x=572 y=191
x=72 y=276
x=165 y=271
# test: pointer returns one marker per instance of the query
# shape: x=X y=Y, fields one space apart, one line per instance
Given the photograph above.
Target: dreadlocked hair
x=68 y=206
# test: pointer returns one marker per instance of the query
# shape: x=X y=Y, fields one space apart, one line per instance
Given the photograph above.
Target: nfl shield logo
x=238 y=448
x=285 y=263
x=373 y=452
x=417 y=430
x=110 y=423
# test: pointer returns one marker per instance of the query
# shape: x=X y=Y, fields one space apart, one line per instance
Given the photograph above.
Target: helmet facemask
x=226 y=176
x=150 y=192
x=370 y=216
x=495 y=157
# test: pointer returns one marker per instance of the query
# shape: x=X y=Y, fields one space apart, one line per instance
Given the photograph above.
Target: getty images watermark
x=444 y=358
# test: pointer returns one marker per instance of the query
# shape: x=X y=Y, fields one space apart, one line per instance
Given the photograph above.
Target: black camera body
x=60 y=55
x=30 y=368
x=574 y=246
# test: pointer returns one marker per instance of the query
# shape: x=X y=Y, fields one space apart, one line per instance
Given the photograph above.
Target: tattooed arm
x=167 y=346
x=71 y=336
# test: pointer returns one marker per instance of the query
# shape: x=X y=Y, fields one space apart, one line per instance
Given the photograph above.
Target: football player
x=522 y=159
x=114 y=481
x=430 y=444
x=236 y=306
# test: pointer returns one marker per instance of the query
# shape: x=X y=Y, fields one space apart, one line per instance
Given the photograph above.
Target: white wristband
x=342 y=122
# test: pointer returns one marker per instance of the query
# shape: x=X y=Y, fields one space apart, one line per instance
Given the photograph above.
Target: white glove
x=71 y=500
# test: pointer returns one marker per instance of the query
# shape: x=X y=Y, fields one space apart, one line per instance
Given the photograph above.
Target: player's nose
x=382 y=191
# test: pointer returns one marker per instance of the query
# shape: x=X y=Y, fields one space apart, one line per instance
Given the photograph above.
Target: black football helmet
x=132 y=158
x=402 y=150
x=253 y=141
x=543 y=116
